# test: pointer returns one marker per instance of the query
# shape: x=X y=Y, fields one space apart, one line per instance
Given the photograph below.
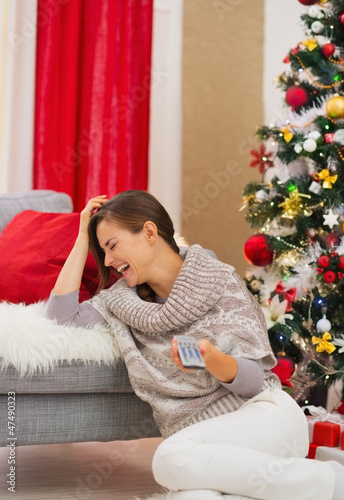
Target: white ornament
x=309 y=145
x=249 y=274
x=321 y=15
x=308 y=32
x=315 y=188
x=330 y=219
x=313 y=11
x=261 y=195
x=339 y=136
x=298 y=148
x=317 y=27
x=256 y=285
x=314 y=135
x=323 y=325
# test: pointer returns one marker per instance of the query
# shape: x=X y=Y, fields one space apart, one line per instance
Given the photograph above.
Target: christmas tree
x=297 y=210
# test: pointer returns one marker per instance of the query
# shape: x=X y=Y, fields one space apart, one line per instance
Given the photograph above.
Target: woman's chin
x=131 y=280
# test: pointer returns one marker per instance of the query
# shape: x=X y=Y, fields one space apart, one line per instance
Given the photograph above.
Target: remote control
x=189 y=352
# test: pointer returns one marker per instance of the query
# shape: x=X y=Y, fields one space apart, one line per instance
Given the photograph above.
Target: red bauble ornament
x=257 y=250
x=341 y=263
x=308 y=2
x=284 y=369
x=296 y=96
x=341 y=18
x=328 y=49
x=324 y=261
x=330 y=276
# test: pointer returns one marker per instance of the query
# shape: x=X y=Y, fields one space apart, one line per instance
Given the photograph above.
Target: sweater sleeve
x=67 y=309
x=249 y=379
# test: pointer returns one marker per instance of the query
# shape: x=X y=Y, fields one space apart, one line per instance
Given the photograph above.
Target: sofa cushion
x=33 y=249
x=42 y=200
x=76 y=377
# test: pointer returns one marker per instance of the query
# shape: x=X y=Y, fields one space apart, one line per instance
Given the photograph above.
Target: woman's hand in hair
x=69 y=279
x=87 y=213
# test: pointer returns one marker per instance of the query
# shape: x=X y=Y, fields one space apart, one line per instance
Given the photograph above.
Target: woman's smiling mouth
x=122 y=268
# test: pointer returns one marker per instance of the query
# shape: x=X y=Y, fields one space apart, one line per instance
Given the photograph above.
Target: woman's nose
x=107 y=260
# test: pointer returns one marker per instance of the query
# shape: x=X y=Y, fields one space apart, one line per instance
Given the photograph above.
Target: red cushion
x=33 y=249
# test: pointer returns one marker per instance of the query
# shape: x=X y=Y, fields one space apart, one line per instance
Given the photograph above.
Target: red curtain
x=92 y=96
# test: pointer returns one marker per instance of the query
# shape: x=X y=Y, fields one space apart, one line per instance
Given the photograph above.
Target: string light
x=289 y=244
x=315 y=82
x=334 y=61
x=340 y=154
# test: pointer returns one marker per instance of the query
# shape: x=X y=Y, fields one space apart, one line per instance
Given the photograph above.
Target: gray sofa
x=74 y=402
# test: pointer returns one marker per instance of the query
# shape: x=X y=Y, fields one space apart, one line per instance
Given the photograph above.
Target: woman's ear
x=150 y=231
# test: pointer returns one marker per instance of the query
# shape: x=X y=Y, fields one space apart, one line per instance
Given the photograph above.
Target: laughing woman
x=229 y=429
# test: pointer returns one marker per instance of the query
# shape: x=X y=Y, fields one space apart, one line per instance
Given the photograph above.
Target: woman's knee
x=170 y=461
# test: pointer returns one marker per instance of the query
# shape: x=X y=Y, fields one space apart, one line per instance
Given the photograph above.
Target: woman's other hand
x=220 y=365
x=205 y=347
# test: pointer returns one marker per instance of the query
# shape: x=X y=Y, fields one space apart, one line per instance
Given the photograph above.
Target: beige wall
x=222 y=92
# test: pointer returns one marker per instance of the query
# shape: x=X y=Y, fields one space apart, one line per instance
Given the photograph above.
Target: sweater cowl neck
x=199 y=285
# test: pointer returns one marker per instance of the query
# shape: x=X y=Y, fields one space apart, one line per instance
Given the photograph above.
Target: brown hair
x=131 y=209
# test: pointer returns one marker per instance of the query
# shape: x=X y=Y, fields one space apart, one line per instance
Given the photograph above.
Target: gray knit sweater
x=208 y=301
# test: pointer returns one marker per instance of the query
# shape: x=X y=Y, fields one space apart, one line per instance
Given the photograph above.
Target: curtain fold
x=92 y=96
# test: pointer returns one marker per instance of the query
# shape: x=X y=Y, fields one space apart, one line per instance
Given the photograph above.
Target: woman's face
x=129 y=253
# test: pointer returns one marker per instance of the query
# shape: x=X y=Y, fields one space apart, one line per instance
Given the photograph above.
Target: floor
x=93 y=471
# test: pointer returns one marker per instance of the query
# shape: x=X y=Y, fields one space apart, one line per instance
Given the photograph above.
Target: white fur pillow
x=30 y=342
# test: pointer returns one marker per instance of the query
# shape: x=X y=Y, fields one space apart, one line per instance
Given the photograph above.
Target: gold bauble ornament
x=335 y=107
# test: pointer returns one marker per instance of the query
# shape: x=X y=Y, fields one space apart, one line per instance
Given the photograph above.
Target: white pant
x=257 y=451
